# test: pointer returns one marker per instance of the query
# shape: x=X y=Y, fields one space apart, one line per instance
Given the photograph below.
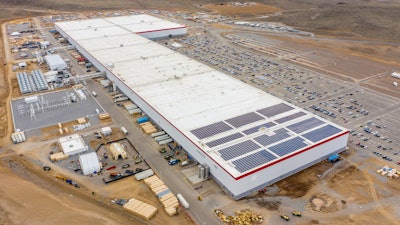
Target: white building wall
x=164 y=33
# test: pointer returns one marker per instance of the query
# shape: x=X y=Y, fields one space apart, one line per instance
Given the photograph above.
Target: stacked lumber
x=148 y=128
x=139 y=208
x=81 y=120
x=166 y=197
x=103 y=116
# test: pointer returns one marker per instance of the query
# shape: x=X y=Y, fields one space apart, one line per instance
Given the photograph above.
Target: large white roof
x=240 y=127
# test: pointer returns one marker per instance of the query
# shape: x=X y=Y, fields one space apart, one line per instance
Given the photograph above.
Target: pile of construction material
x=103 y=116
x=166 y=197
x=148 y=128
x=58 y=156
x=139 y=208
x=243 y=217
x=389 y=172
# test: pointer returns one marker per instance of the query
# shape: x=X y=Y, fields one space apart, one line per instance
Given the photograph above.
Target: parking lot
x=339 y=101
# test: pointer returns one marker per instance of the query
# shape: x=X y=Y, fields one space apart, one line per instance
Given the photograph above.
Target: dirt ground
x=64 y=203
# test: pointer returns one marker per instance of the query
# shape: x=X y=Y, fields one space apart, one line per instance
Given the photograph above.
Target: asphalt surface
x=148 y=148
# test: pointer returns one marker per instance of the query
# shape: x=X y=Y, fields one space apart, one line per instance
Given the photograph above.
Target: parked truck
x=183 y=201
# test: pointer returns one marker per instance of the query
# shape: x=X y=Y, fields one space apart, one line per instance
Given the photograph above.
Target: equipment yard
x=47 y=130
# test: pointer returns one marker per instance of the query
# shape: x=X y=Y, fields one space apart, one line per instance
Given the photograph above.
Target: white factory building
x=248 y=138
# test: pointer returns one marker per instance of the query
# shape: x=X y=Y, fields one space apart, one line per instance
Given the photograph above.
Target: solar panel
x=265 y=140
x=238 y=149
x=210 y=130
x=275 y=110
x=321 y=133
x=290 y=117
x=254 y=160
x=305 y=125
x=289 y=146
x=244 y=119
x=257 y=128
x=223 y=140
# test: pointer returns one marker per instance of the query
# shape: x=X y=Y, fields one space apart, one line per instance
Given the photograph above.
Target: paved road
x=148 y=148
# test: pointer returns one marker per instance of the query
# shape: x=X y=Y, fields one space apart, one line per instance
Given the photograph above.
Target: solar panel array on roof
x=265 y=140
x=254 y=160
x=23 y=82
x=290 y=117
x=257 y=128
x=305 y=125
x=223 y=140
x=210 y=130
x=289 y=146
x=275 y=110
x=244 y=119
x=321 y=133
x=236 y=150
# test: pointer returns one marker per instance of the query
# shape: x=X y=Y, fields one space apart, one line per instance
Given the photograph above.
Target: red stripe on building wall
x=149 y=31
x=289 y=156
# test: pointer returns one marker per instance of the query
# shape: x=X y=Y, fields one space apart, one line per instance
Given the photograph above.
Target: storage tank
x=206 y=171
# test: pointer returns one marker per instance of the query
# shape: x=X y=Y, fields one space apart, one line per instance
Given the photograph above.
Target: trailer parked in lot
x=123 y=129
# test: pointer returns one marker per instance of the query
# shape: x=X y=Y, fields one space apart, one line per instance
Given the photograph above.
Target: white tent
x=55 y=62
x=89 y=163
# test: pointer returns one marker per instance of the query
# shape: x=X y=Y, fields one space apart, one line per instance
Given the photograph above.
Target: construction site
x=196 y=117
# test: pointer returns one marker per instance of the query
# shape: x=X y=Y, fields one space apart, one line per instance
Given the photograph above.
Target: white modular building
x=73 y=144
x=89 y=163
x=248 y=138
x=55 y=62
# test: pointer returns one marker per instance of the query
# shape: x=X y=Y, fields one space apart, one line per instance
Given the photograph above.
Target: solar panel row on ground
x=254 y=160
x=237 y=150
x=257 y=128
x=321 y=133
x=305 y=125
x=265 y=140
x=244 y=119
x=223 y=140
x=275 y=110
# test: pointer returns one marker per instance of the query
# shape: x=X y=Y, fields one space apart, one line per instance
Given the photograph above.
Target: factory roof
x=114 y=26
x=243 y=129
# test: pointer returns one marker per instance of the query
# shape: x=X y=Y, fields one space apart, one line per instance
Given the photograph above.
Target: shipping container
x=162 y=137
x=142 y=120
x=163 y=142
x=157 y=134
